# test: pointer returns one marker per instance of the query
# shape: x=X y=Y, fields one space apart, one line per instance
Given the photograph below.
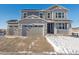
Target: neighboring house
x=35 y=22
x=75 y=31
x=2 y=32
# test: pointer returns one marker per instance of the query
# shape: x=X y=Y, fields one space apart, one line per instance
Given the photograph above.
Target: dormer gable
x=57 y=7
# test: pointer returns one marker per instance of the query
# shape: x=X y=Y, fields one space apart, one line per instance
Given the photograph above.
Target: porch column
x=69 y=29
x=55 y=29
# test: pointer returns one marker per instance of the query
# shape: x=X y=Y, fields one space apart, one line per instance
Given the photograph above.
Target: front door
x=50 y=28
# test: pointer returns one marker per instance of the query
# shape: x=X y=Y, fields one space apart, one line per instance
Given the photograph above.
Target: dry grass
x=34 y=44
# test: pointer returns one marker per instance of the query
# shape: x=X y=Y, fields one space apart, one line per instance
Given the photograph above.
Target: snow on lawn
x=64 y=44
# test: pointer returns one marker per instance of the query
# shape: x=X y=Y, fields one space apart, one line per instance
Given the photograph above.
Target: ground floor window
x=61 y=25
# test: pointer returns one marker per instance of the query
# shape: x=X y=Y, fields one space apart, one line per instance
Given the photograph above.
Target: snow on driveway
x=64 y=44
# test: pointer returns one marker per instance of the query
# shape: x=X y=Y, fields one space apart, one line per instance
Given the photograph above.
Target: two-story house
x=54 y=20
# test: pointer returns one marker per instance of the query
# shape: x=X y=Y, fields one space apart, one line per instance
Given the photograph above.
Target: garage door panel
x=33 y=30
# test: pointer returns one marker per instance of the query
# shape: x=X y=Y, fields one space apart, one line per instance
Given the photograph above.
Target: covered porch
x=57 y=27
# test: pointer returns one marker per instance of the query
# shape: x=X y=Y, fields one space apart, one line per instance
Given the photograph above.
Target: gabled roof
x=32 y=19
x=57 y=7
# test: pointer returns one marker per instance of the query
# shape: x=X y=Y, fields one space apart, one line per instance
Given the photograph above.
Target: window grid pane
x=48 y=15
x=59 y=15
x=56 y=15
x=62 y=15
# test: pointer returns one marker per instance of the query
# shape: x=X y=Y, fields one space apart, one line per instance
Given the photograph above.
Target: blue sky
x=12 y=11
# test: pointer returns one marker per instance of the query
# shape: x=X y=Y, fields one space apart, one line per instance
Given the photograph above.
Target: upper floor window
x=62 y=15
x=59 y=15
x=48 y=15
x=41 y=15
x=56 y=15
x=32 y=13
x=25 y=15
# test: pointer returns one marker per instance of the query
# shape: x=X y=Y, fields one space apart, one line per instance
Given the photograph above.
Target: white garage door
x=32 y=30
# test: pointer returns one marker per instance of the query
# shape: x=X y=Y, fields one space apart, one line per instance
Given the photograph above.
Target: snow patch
x=64 y=44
